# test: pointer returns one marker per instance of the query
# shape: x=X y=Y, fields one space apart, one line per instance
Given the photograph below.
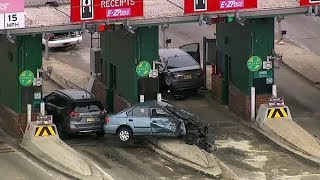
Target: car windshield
x=180 y=61
x=85 y=107
x=179 y=112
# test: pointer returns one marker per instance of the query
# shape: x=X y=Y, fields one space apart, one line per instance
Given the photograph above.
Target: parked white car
x=63 y=39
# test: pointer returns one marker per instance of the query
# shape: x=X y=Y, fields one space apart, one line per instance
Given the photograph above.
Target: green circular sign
x=143 y=68
x=254 y=63
x=26 y=78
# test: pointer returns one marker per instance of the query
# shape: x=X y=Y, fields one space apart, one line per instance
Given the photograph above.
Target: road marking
x=169 y=168
x=277 y=113
x=45 y=131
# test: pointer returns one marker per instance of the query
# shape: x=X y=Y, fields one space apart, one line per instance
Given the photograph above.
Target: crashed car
x=157 y=118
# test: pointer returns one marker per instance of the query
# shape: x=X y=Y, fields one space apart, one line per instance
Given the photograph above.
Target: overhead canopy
x=40 y=17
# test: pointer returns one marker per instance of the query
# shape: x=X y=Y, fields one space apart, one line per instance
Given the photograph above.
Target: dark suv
x=75 y=111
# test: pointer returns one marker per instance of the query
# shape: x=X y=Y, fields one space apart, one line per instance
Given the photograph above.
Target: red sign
x=203 y=6
x=91 y=10
x=309 y=2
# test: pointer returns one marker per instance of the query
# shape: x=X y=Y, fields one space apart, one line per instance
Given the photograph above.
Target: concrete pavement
x=16 y=165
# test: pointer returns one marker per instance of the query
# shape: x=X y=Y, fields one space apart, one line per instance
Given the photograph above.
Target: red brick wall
x=239 y=102
x=11 y=122
x=120 y=103
x=216 y=91
x=100 y=91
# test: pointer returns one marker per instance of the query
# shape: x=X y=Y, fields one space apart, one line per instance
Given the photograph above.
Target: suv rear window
x=85 y=107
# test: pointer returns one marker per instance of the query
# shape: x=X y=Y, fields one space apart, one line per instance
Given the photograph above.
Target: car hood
x=195 y=67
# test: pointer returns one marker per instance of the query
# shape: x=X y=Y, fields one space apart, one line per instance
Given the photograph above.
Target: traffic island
x=191 y=156
x=277 y=124
x=43 y=142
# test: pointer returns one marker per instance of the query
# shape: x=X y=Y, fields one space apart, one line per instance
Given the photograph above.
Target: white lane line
x=169 y=168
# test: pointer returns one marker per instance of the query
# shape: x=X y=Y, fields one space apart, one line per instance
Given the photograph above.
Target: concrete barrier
x=277 y=122
x=42 y=140
x=187 y=155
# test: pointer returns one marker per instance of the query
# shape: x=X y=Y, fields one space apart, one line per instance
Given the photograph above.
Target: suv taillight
x=106 y=119
x=74 y=114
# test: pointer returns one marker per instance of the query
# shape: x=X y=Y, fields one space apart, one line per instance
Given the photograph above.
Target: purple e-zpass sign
x=119 y=12
x=231 y=4
x=11 y=6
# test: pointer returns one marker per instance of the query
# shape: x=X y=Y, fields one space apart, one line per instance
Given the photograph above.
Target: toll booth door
x=149 y=87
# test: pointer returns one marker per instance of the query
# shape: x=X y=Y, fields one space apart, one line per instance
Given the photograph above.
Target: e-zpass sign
x=231 y=4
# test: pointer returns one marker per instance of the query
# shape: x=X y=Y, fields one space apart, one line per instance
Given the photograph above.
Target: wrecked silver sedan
x=156 y=118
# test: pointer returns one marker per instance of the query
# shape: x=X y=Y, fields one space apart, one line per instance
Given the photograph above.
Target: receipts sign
x=91 y=10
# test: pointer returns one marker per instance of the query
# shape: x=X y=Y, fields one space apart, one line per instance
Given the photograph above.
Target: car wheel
x=100 y=133
x=125 y=134
x=62 y=134
x=191 y=137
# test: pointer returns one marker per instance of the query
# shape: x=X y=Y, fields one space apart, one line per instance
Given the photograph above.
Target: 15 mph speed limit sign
x=11 y=14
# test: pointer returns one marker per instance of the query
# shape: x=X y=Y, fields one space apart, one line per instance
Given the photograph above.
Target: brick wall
x=216 y=91
x=100 y=91
x=120 y=103
x=239 y=102
x=11 y=122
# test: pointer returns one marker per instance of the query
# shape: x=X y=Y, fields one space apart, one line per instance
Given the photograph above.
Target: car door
x=57 y=107
x=50 y=102
x=138 y=118
x=162 y=123
x=193 y=50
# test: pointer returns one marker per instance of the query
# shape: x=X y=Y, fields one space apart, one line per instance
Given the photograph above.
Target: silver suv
x=75 y=111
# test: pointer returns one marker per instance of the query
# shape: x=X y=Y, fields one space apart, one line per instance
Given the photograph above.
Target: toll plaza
x=243 y=70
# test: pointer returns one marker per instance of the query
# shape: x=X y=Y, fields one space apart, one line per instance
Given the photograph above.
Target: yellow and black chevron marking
x=45 y=131
x=277 y=113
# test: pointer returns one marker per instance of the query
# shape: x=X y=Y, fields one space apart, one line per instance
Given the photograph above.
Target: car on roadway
x=63 y=39
x=179 y=71
x=156 y=118
x=75 y=111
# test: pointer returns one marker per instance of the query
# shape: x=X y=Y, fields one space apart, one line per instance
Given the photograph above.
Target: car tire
x=191 y=137
x=100 y=133
x=124 y=134
x=62 y=135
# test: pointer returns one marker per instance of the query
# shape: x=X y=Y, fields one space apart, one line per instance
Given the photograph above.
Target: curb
x=287 y=147
x=167 y=155
x=13 y=142
x=47 y=164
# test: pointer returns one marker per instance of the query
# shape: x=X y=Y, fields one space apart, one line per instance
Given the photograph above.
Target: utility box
x=149 y=87
x=95 y=61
